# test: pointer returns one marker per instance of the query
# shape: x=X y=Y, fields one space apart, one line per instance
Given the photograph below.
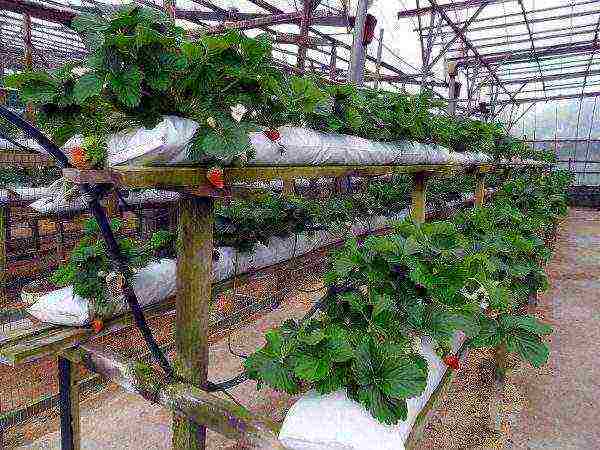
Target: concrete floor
x=562 y=400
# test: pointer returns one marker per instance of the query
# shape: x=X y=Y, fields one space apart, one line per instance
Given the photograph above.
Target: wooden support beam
x=419 y=203
x=289 y=187
x=232 y=421
x=307 y=11
x=452 y=88
x=28 y=60
x=194 y=281
x=379 y=55
x=479 y=189
x=3 y=236
x=70 y=435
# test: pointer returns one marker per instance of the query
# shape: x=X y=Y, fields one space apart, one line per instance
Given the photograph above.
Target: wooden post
x=417 y=210
x=302 y=42
x=359 y=51
x=60 y=239
x=3 y=265
x=69 y=405
x=289 y=187
x=333 y=63
x=34 y=224
x=479 y=189
x=112 y=204
x=498 y=382
x=194 y=280
x=379 y=56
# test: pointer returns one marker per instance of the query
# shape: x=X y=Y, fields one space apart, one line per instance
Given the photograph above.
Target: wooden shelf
x=181 y=177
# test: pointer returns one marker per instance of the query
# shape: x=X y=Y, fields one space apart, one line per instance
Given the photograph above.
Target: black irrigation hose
x=92 y=194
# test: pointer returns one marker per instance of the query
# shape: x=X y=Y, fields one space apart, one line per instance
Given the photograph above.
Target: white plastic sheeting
x=168 y=143
x=58 y=203
x=59 y=307
x=151 y=284
x=349 y=425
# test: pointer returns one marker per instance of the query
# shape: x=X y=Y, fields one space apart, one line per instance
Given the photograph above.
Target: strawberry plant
x=142 y=67
x=469 y=273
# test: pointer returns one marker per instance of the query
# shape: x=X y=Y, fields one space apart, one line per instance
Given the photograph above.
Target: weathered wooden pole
x=3 y=260
x=289 y=187
x=479 y=189
x=194 y=281
x=333 y=63
x=200 y=407
x=28 y=63
x=452 y=91
x=359 y=49
x=303 y=38
x=419 y=201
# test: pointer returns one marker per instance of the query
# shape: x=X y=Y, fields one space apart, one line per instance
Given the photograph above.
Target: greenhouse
x=299 y=224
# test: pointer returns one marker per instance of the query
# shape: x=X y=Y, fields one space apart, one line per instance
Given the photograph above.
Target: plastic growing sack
x=350 y=425
x=152 y=284
x=168 y=143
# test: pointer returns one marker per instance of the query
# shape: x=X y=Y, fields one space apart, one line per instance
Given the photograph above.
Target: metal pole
x=452 y=72
x=359 y=50
x=379 y=54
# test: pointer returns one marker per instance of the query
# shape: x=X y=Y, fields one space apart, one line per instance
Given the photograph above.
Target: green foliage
x=141 y=66
x=471 y=273
x=89 y=263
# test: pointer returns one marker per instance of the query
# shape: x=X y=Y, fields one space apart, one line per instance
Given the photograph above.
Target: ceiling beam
x=38 y=11
x=526 y=54
x=549 y=98
x=466 y=41
x=454 y=6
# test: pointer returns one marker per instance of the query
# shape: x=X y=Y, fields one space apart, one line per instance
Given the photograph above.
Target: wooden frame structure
x=194 y=273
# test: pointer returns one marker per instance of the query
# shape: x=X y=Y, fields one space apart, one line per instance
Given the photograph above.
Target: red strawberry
x=452 y=361
x=215 y=176
x=97 y=325
x=272 y=135
x=78 y=157
x=224 y=304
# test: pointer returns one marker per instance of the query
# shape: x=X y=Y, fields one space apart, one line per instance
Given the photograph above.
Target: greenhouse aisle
x=564 y=398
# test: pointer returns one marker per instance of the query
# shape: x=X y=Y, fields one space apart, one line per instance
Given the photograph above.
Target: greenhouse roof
x=507 y=51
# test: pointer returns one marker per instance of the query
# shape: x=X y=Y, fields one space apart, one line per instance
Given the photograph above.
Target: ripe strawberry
x=272 y=135
x=224 y=304
x=97 y=325
x=215 y=176
x=452 y=361
x=78 y=157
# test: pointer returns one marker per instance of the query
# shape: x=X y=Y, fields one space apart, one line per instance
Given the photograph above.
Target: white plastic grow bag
x=59 y=307
x=168 y=144
x=156 y=283
x=151 y=284
x=349 y=425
